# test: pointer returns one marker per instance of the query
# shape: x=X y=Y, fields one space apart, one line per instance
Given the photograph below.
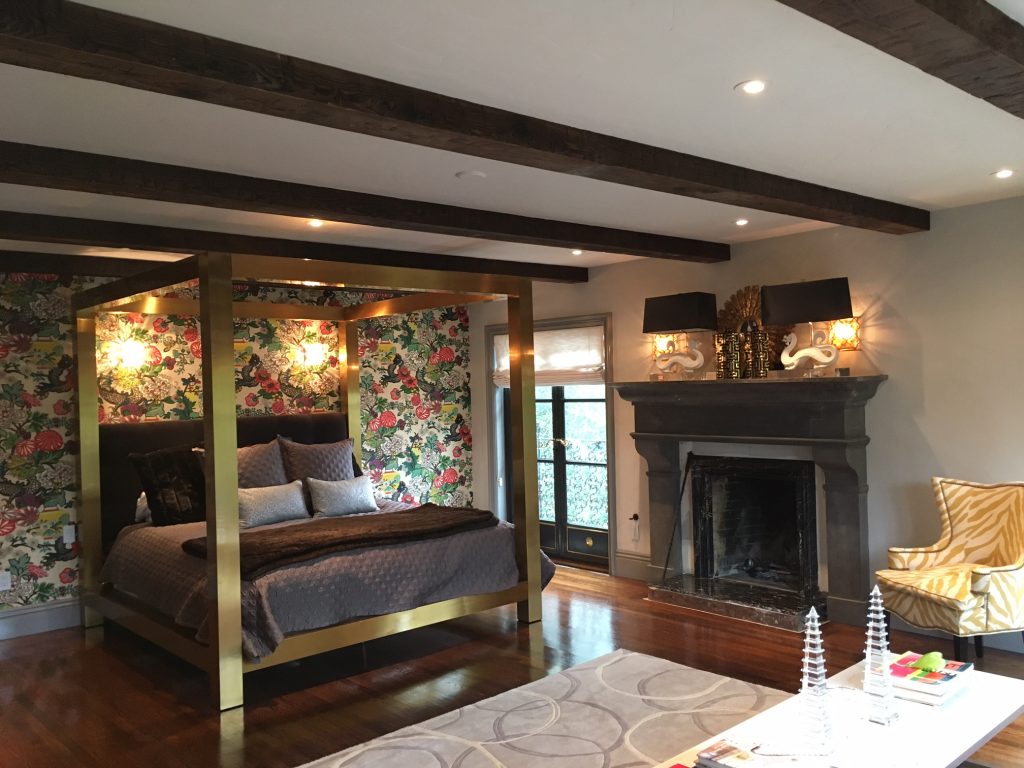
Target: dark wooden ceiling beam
x=968 y=43
x=52 y=168
x=65 y=264
x=82 y=41
x=34 y=227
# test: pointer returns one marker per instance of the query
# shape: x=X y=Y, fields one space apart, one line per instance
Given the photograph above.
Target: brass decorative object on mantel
x=741 y=332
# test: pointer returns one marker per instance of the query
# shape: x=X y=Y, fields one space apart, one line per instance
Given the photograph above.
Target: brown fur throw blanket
x=264 y=549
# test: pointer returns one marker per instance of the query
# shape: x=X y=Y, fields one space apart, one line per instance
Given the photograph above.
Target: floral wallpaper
x=414 y=382
x=37 y=438
x=413 y=371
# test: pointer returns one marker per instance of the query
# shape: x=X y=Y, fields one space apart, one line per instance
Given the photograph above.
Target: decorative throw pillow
x=174 y=484
x=332 y=498
x=272 y=504
x=259 y=466
x=323 y=461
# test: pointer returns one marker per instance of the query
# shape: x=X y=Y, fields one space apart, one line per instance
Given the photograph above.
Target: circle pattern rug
x=622 y=710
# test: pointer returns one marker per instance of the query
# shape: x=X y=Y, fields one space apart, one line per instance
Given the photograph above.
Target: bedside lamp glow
x=128 y=354
x=312 y=355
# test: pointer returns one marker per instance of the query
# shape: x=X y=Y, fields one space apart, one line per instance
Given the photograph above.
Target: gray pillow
x=332 y=498
x=272 y=504
x=259 y=466
x=323 y=461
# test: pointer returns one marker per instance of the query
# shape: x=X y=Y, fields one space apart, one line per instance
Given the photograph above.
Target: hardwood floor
x=110 y=699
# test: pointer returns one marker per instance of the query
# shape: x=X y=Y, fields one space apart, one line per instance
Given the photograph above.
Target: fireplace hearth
x=774 y=582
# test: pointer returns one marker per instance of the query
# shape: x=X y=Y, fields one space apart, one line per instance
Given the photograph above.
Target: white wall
x=618 y=289
x=943 y=317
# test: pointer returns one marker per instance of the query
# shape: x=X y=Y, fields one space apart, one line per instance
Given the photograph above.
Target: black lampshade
x=809 y=302
x=680 y=312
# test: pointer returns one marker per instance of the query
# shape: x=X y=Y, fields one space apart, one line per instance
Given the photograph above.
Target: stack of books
x=725 y=754
x=934 y=688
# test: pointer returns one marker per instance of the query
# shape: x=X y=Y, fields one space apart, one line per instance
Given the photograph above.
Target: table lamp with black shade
x=810 y=302
x=666 y=317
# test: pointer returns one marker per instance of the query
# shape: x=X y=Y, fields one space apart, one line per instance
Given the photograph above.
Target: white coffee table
x=922 y=737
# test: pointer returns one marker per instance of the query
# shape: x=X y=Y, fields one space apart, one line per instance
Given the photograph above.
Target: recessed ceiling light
x=741 y=222
x=307 y=259
x=577 y=252
x=751 y=87
x=315 y=223
x=471 y=175
x=1003 y=173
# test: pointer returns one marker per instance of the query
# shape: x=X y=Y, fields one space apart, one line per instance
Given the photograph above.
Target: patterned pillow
x=273 y=504
x=259 y=466
x=174 y=484
x=332 y=498
x=323 y=461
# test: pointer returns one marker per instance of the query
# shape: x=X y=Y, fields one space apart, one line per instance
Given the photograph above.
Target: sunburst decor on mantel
x=744 y=307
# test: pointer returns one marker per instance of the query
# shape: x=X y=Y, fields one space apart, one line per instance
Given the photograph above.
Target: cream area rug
x=623 y=710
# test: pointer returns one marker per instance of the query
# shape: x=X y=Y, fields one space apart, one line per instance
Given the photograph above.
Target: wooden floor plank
x=69 y=699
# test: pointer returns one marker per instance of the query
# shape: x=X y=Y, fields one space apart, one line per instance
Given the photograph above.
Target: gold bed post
x=349 y=332
x=224 y=589
x=89 y=515
x=524 y=447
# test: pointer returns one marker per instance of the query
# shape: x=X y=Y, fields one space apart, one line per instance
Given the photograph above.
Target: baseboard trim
x=631 y=566
x=33 y=619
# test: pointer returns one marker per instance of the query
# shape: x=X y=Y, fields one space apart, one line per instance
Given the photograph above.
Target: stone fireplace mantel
x=826 y=415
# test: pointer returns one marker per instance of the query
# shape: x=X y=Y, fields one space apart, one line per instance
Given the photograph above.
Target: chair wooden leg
x=960 y=648
x=979 y=646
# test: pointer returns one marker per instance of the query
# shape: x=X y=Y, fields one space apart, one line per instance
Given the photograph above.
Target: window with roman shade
x=562 y=357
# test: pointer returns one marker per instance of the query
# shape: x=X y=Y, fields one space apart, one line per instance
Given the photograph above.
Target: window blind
x=561 y=357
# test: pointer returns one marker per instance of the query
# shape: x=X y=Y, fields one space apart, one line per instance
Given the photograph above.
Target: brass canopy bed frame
x=222 y=657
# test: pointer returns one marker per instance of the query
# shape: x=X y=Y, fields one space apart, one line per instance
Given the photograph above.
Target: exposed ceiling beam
x=968 y=43
x=81 y=41
x=71 y=264
x=41 y=228
x=37 y=166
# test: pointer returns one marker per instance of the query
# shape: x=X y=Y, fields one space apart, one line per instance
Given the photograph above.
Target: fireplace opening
x=754 y=523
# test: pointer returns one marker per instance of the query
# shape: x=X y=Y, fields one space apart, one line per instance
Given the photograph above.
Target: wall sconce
x=128 y=354
x=666 y=317
x=844 y=334
x=312 y=355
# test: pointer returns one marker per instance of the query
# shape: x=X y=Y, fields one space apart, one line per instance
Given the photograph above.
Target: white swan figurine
x=821 y=353
x=689 y=359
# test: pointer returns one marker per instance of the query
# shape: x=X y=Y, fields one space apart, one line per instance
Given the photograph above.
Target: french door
x=572 y=471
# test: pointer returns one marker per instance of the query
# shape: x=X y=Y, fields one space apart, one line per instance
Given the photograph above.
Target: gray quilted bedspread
x=148 y=563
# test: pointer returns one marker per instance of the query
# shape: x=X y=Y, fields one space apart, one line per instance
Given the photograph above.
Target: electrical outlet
x=5 y=581
x=70 y=534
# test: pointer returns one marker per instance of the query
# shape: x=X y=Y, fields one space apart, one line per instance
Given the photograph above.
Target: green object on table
x=930 y=662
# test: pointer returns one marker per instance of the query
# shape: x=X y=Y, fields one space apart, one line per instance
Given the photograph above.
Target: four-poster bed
x=222 y=657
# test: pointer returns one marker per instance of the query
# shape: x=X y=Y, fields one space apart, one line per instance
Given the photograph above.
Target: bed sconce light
x=312 y=355
x=128 y=354
x=815 y=301
x=844 y=334
x=667 y=318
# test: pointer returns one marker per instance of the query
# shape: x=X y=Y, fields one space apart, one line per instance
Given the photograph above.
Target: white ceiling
x=836 y=112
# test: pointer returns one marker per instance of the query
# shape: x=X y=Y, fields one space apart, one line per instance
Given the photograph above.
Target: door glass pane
x=585 y=392
x=546 y=490
x=542 y=393
x=587 y=496
x=545 y=445
x=585 y=432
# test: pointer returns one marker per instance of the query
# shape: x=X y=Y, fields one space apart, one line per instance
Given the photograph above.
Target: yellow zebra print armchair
x=971 y=583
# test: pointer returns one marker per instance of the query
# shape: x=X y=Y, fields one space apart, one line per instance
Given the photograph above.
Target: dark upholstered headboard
x=120 y=485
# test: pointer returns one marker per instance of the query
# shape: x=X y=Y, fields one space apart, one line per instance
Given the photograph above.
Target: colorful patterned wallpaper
x=414 y=372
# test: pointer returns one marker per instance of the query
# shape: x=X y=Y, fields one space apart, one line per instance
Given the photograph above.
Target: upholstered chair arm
x=1006 y=580
x=918 y=558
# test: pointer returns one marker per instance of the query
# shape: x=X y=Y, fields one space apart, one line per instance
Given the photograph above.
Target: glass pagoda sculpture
x=813 y=688
x=877 y=680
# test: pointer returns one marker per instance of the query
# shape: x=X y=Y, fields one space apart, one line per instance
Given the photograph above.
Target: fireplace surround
x=825 y=415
